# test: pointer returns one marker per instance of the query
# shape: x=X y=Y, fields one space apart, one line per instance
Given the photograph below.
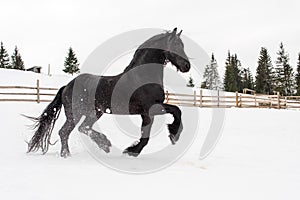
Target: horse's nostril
x=188 y=66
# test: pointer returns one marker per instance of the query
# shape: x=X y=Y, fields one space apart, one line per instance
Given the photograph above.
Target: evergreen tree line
x=268 y=79
x=71 y=64
x=13 y=62
x=236 y=77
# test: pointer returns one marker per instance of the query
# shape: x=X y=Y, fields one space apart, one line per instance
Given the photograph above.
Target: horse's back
x=88 y=93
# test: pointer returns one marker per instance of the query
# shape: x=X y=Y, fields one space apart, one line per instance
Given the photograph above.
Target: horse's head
x=175 y=51
x=161 y=48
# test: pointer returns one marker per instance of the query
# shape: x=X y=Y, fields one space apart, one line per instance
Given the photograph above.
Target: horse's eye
x=178 y=44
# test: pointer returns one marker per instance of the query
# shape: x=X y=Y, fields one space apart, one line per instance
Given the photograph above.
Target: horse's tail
x=44 y=125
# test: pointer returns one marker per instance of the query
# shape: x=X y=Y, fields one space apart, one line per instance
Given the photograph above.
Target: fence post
x=236 y=99
x=38 y=90
x=195 y=98
x=218 y=98
x=255 y=100
x=285 y=103
x=167 y=96
x=200 y=105
x=49 y=70
x=241 y=101
x=278 y=100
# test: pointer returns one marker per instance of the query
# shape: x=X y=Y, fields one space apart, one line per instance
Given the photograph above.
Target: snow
x=257 y=157
x=28 y=78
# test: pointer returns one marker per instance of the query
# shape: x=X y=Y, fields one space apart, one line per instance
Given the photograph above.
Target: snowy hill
x=28 y=78
x=257 y=157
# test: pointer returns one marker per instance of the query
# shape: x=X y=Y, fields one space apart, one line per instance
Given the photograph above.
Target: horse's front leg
x=137 y=147
x=176 y=127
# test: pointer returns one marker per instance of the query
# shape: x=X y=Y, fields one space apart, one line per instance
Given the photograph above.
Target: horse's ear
x=179 y=33
x=174 y=32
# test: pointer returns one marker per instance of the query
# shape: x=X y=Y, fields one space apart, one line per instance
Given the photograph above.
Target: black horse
x=138 y=90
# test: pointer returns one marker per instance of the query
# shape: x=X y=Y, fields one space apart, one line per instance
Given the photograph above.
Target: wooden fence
x=219 y=99
x=34 y=94
x=215 y=99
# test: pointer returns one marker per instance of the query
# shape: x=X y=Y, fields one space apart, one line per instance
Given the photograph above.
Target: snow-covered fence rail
x=27 y=94
x=219 y=99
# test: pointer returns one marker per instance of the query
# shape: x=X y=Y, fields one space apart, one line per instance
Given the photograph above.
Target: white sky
x=44 y=30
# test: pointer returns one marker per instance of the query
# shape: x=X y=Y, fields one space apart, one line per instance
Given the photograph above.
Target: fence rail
x=20 y=91
x=216 y=99
x=225 y=100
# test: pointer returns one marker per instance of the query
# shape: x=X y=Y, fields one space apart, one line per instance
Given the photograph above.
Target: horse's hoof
x=105 y=147
x=173 y=139
x=131 y=151
x=65 y=154
x=104 y=143
x=127 y=152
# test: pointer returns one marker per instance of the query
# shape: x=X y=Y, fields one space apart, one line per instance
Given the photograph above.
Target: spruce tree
x=237 y=68
x=247 y=79
x=232 y=78
x=229 y=77
x=264 y=73
x=16 y=60
x=4 y=58
x=298 y=77
x=211 y=76
x=190 y=82
x=71 y=63
x=284 y=80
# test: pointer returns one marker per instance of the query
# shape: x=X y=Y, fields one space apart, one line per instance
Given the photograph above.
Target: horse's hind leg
x=136 y=149
x=64 y=133
x=87 y=128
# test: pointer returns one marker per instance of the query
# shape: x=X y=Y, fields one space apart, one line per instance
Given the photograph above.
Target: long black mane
x=152 y=44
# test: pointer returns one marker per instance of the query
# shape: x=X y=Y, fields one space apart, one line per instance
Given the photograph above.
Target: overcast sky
x=44 y=30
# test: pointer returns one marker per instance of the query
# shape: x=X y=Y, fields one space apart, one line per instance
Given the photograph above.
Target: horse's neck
x=146 y=56
x=151 y=56
x=147 y=63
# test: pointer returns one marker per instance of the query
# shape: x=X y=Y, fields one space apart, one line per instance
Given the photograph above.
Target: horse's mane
x=148 y=44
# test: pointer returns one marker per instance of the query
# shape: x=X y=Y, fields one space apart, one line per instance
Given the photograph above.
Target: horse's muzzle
x=186 y=67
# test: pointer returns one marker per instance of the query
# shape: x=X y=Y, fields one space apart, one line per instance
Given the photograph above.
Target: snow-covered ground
x=257 y=157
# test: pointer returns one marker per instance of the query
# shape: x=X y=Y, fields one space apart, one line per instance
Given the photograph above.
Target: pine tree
x=190 y=82
x=298 y=77
x=71 y=63
x=16 y=60
x=211 y=76
x=233 y=79
x=247 y=79
x=237 y=68
x=284 y=81
x=264 y=73
x=229 y=77
x=4 y=58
